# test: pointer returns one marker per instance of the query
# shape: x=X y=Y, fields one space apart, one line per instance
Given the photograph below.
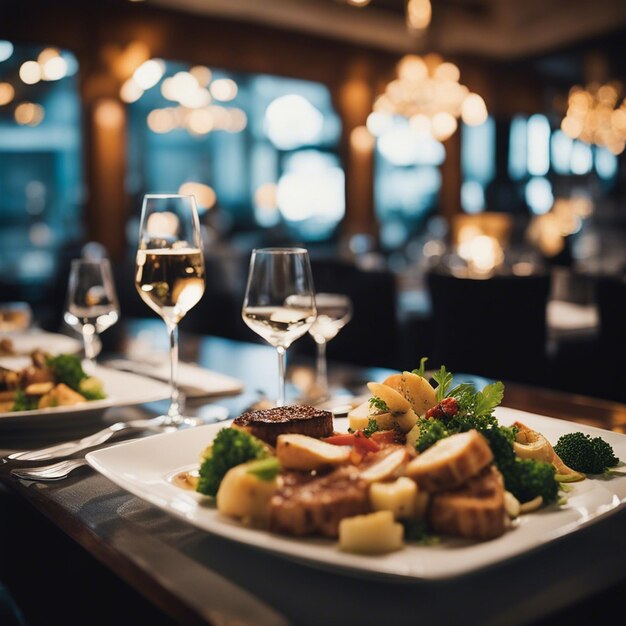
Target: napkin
x=194 y=381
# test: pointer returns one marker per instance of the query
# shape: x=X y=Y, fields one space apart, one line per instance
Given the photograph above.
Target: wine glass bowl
x=92 y=305
x=334 y=311
x=169 y=273
x=279 y=303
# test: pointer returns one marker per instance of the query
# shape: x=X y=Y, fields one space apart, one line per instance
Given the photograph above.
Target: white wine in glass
x=169 y=274
x=334 y=311
x=276 y=279
x=91 y=305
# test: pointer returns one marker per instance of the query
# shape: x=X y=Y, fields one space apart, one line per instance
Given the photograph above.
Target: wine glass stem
x=90 y=353
x=281 y=376
x=173 y=412
x=322 y=373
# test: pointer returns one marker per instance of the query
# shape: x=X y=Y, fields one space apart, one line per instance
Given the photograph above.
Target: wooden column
x=451 y=177
x=105 y=148
x=354 y=103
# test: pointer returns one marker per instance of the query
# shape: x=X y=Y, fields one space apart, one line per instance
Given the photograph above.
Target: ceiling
x=503 y=29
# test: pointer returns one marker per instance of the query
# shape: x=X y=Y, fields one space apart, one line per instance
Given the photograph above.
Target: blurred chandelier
x=595 y=116
x=418 y=12
x=427 y=92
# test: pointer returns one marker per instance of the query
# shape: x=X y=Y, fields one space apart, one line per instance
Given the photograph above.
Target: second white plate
x=122 y=389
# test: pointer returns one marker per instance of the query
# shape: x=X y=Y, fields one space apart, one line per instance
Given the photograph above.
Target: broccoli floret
x=91 y=388
x=526 y=479
x=231 y=447
x=265 y=469
x=418 y=531
x=586 y=454
x=431 y=431
x=23 y=402
x=67 y=369
x=500 y=439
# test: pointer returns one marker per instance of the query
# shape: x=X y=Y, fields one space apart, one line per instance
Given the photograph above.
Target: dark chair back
x=611 y=360
x=494 y=327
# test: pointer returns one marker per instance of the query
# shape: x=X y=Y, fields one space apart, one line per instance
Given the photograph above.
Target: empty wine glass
x=334 y=311
x=275 y=276
x=91 y=302
x=170 y=273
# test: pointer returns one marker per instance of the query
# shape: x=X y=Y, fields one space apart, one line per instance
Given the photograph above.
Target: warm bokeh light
x=202 y=74
x=595 y=116
x=378 y=123
x=292 y=121
x=109 y=113
x=265 y=196
x=46 y=54
x=30 y=72
x=418 y=14
x=362 y=140
x=194 y=98
x=149 y=73
x=162 y=120
x=237 y=120
x=7 y=93
x=443 y=125
x=224 y=89
x=124 y=63
x=420 y=124
x=130 y=91
x=162 y=225
x=29 y=114
x=545 y=233
x=482 y=253
x=447 y=71
x=200 y=121
x=412 y=67
x=54 y=68
x=474 y=110
x=205 y=196
x=427 y=91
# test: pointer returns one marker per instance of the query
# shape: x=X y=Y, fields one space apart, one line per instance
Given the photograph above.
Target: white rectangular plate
x=122 y=389
x=144 y=467
x=24 y=342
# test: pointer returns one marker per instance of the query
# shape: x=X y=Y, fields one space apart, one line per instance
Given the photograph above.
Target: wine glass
x=91 y=302
x=334 y=311
x=169 y=273
x=275 y=276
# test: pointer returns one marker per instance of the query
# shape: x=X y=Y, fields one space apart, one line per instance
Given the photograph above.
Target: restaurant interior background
x=469 y=197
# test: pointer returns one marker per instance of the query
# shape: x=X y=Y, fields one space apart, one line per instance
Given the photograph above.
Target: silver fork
x=71 y=447
x=57 y=471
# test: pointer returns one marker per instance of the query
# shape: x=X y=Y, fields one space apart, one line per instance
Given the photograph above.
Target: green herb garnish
x=372 y=427
x=421 y=370
x=379 y=403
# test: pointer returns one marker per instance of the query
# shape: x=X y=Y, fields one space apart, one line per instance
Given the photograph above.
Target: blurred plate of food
x=24 y=342
x=45 y=389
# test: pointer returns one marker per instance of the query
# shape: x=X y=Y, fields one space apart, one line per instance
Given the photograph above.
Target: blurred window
x=41 y=178
x=536 y=150
x=407 y=180
x=260 y=150
x=478 y=165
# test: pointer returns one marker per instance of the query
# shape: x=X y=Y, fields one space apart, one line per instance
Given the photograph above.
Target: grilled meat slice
x=475 y=511
x=450 y=462
x=267 y=424
x=308 y=505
